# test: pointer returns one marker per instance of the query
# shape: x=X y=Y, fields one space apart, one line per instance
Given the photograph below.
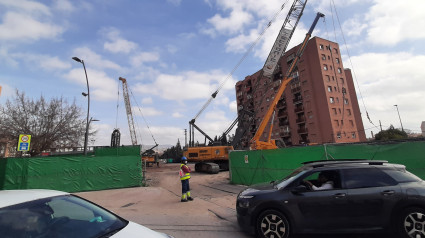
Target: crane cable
x=138 y=107
x=349 y=57
x=241 y=60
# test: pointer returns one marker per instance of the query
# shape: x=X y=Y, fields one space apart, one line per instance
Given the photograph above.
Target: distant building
x=318 y=106
x=423 y=128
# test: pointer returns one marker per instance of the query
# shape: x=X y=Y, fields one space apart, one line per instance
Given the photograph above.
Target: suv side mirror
x=299 y=189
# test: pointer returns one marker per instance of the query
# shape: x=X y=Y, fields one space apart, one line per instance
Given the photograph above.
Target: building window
x=333 y=78
x=331 y=99
x=353 y=135
x=339 y=70
x=349 y=112
x=325 y=67
x=328 y=78
x=323 y=57
x=336 y=51
x=330 y=89
x=321 y=46
x=342 y=80
x=334 y=110
x=339 y=110
x=337 y=60
x=337 y=100
x=336 y=123
x=338 y=135
x=345 y=101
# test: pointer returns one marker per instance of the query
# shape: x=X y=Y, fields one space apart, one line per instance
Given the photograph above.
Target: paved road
x=158 y=206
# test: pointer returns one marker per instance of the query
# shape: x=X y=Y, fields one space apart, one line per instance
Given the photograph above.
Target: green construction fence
x=106 y=168
x=253 y=167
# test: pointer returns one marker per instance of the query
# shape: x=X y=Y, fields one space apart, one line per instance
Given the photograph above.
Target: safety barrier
x=253 y=167
x=107 y=168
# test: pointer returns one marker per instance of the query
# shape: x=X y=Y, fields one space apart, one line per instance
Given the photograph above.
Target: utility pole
x=399 y=117
x=185 y=137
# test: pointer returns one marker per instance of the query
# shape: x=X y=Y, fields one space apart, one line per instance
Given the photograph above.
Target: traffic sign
x=24 y=142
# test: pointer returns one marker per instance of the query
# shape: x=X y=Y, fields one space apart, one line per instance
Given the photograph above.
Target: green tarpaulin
x=252 y=167
x=108 y=168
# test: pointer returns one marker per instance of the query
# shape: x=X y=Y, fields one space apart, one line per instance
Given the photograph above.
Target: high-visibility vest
x=183 y=176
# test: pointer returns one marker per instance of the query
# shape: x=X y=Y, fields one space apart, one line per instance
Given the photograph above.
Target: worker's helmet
x=184 y=158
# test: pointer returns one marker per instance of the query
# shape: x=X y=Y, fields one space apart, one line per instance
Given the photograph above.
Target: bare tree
x=51 y=124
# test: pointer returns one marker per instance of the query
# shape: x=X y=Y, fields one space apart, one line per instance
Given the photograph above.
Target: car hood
x=259 y=188
x=136 y=230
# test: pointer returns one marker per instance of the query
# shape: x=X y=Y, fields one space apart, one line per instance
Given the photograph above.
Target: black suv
x=356 y=196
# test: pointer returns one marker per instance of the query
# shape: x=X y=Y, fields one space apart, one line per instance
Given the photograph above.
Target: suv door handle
x=388 y=192
x=339 y=195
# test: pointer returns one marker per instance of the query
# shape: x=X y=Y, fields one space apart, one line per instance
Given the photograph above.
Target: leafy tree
x=51 y=124
x=391 y=134
x=175 y=152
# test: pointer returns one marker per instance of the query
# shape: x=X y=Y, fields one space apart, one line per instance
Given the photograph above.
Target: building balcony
x=285 y=134
x=302 y=131
x=300 y=120
x=282 y=113
x=299 y=109
x=281 y=104
x=295 y=90
x=297 y=100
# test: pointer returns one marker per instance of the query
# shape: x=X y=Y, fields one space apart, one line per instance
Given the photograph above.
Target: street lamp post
x=399 y=117
x=88 y=104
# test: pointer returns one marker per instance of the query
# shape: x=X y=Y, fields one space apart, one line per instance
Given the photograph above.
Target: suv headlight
x=243 y=200
x=246 y=196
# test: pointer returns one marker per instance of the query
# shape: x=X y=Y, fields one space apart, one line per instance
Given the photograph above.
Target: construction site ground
x=157 y=206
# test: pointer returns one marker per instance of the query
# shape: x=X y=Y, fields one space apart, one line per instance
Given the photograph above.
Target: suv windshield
x=61 y=216
x=288 y=179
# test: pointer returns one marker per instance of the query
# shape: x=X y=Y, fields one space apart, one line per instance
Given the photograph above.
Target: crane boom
x=271 y=144
x=128 y=111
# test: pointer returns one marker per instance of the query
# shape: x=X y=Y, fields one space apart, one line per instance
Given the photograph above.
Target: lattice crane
x=128 y=111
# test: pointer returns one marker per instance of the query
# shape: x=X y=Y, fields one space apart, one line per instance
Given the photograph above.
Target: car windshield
x=288 y=179
x=61 y=216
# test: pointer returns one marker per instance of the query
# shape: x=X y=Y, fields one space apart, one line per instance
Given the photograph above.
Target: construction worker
x=184 y=178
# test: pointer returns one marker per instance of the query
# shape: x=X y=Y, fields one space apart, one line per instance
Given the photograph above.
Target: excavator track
x=211 y=168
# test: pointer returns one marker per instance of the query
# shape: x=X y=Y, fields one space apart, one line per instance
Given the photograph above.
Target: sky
x=176 y=53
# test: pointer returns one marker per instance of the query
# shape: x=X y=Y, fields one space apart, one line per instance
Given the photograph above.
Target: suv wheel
x=412 y=223
x=272 y=223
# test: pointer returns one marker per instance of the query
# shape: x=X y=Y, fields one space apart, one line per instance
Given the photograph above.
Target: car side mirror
x=299 y=189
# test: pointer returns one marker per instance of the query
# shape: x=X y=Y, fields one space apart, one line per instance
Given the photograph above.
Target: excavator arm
x=256 y=144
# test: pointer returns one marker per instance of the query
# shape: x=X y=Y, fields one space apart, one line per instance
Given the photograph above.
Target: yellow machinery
x=209 y=159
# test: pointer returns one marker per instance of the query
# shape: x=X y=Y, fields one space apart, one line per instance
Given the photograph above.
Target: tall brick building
x=318 y=106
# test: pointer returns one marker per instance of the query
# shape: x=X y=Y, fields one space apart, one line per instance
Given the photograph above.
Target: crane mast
x=128 y=111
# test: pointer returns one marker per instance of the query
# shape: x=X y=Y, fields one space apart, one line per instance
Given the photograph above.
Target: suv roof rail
x=320 y=163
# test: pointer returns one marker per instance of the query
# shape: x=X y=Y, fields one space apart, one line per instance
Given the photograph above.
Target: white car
x=48 y=213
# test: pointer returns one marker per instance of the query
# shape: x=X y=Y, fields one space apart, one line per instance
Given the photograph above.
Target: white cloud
x=391 y=22
x=27 y=6
x=233 y=106
x=46 y=62
x=393 y=79
x=120 y=46
x=146 y=111
x=187 y=85
x=147 y=100
x=92 y=59
x=22 y=27
x=102 y=87
x=64 y=6
x=177 y=115
x=144 y=57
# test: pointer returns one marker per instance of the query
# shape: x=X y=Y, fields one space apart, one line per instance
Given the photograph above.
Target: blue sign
x=23 y=146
